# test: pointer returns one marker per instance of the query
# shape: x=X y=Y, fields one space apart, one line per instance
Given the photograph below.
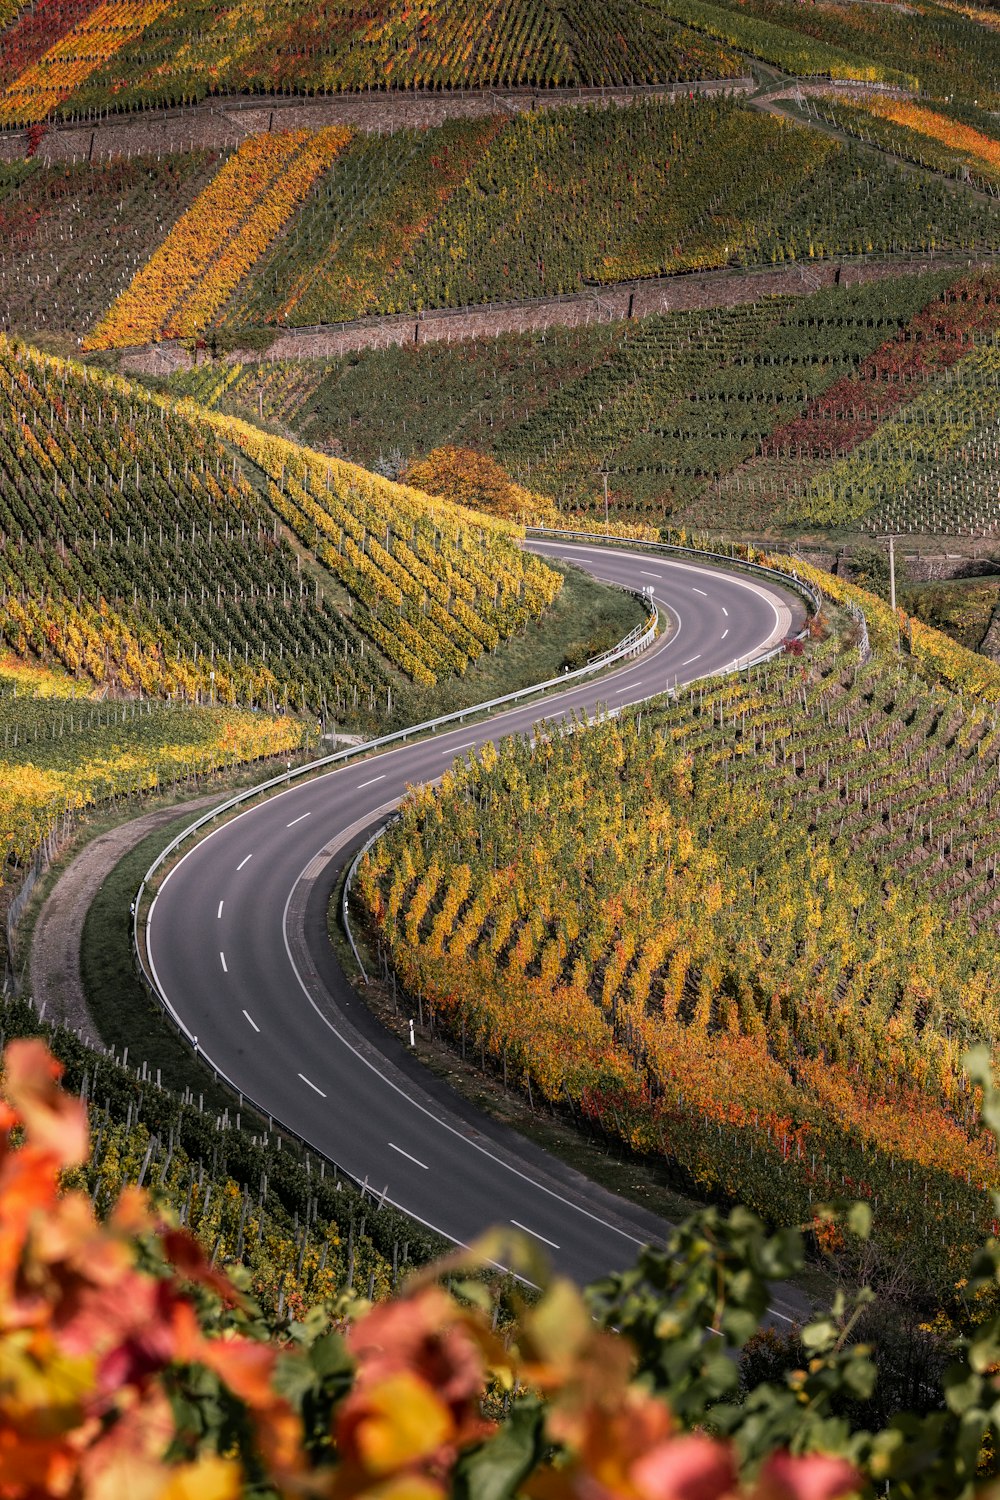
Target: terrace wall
x=685 y=293
x=219 y=123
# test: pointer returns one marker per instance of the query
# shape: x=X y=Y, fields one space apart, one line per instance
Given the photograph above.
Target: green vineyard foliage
x=748 y=932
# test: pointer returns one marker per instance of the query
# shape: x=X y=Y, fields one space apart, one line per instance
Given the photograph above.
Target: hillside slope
x=495 y=210
x=750 y=932
x=873 y=405
x=68 y=57
x=157 y=549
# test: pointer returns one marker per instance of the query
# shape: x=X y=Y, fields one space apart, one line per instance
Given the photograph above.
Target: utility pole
x=605 y=472
x=892 y=539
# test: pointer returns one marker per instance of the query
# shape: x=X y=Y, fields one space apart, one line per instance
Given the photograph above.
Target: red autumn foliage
x=848 y=412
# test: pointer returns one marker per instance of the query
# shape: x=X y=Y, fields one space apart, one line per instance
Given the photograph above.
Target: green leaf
x=739 y=1325
x=962 y=1389
x=329 y=1357
x=821 y=1335
x=497 y=1469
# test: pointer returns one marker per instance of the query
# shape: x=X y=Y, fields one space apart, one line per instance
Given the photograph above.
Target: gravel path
x=55 y=976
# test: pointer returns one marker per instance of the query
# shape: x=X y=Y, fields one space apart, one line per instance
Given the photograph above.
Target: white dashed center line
x=701 y=592
x=691 y=659
x=312 y=1086
x=628 y=688
x=244 y=862
x=372 y=782
x=534 y=1234
x=221 y=905
x=394 y=1147
x=724 y=634
x=250 y=1018
x=650 y=575
x=471 y=745
x=298 y=820
x=225 y=966
x=725 y=612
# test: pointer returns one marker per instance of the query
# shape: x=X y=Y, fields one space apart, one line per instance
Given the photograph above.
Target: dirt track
x=55 y=980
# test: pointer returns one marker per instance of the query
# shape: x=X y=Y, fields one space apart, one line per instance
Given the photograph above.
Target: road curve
x=236 y=942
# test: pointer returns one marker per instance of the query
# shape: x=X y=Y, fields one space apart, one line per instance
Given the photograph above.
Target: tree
x=467 y=477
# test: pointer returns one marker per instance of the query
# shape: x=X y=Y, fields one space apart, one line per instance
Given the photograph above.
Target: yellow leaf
x=400 y=1422
x=208 y=1479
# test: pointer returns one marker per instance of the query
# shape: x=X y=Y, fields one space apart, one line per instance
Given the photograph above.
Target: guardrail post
x=632 y=644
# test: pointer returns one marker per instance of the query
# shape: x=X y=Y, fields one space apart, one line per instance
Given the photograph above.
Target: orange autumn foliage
x=99 y=1320
x=939 y=127
x=87 y=1335
x=467 y=477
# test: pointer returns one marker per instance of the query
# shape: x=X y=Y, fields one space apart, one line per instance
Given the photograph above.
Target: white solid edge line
x=250 y=1018
x=298 y=820
x=706 y=571
x=534 y=1234
x=372 y=782
x=312 y=1085
x=416 y=1163
x=497 y=730
x=225 y=966
x=420 y=1108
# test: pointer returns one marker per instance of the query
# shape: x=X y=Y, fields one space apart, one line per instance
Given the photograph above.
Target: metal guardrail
x=631 y=645
x=790 y=580
x=634 y=643
x=811 y=594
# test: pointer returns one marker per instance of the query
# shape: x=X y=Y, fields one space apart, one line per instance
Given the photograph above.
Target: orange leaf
x=53 y=1122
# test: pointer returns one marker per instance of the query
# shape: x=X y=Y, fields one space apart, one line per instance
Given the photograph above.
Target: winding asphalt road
x=236 y=939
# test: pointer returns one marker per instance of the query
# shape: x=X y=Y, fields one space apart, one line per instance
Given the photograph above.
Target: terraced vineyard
x=780 y=42
x=301 y=227
x=750 y=931
x=225 y=231
x=951 y=51
x=963 y=142
x=72 y=237
x=336 y=259
x=718 y=413
x=63 y=753
x=68 y=57
x=139 y=550
x=930 y=468
x=568 y=196
x=741 y=935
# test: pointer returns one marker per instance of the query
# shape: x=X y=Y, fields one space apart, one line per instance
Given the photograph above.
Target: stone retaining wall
x=224 y=122
x=686 y=293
